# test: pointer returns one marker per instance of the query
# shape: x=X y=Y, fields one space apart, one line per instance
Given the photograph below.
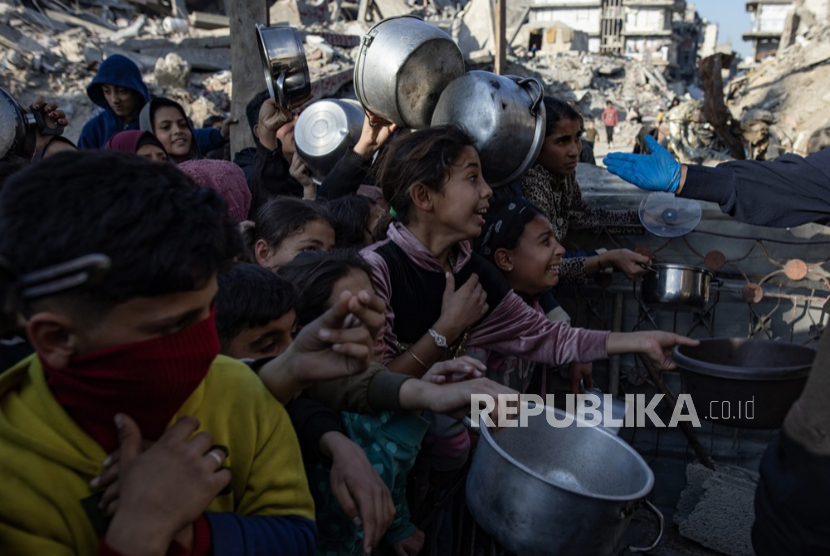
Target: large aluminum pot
x=744 y=383
x=403 y=65
x=676 y=286
x=285 y=65
x=325 y=131
x=504 y=115
x=550 y=491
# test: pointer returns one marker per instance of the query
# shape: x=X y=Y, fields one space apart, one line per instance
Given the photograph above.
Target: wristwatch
x=440 y=340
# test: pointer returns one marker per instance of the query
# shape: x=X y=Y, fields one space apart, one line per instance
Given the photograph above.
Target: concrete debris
x=716 y=508
x=789 y=89
x=171 y=71
x=776 y=107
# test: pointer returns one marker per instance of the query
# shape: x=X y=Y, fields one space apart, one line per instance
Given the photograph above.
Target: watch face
x=440 y=340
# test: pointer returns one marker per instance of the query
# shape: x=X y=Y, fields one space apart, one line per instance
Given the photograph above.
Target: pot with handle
x=19 y=129
x=284 y=64
x=557 y=491
x=676 y=286
x=505 y=117
x=325 y=131
x=403 y=66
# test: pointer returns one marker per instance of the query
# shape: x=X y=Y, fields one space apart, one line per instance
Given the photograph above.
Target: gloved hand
x=658 y=171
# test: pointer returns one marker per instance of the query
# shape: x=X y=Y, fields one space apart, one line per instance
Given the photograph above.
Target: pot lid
x=667 y=215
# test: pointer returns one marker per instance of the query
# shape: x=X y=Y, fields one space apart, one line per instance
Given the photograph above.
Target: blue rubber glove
x=658 y=171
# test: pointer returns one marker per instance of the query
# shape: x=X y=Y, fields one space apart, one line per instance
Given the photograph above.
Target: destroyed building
x=768 y=19
x=665 y=33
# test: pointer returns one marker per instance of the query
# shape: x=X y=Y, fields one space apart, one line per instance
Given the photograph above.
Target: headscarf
x=145 y=122
x=225 y=177
x=130 y=141
x=498 y=223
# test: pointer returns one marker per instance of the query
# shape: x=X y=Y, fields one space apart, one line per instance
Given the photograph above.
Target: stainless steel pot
x=325 y=131
x=285 y=65
x=18 y=128
x=403 y=65
x=550 y=491
x=744 y=383
x=676 y=286
x=505 y=117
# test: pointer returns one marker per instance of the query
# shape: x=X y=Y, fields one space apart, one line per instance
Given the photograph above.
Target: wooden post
x=500 y=34
x=246 y=65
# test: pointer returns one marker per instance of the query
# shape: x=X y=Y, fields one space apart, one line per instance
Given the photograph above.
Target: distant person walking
x=610 y=118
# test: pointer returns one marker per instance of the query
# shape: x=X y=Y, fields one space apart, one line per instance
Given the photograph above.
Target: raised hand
x=658 y=171
x=461 y=309
x=358 y=488
x=164 y=489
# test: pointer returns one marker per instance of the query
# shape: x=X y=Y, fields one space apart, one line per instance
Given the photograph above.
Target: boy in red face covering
x=128 y=363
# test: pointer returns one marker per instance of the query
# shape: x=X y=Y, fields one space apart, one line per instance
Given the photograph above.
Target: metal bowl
x=505 y=117
x=284 y=64
x=556 y=491
x=325 y=131
x=403 y=65
x=744 y=383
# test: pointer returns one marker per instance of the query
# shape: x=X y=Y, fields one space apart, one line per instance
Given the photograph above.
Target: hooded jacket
x=122 y=72
x=119 y=71
x=145 y=123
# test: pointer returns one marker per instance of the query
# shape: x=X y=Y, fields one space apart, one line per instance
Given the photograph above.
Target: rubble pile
x=782 y=105
x=52 y=51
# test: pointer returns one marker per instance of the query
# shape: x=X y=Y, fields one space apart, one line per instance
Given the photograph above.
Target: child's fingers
x=344 y=497
x=110 y=496
x=358 y=335
x=129 y=437
x=105 y=479
x=355 y=351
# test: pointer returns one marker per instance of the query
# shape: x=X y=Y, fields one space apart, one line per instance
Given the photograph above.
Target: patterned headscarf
x=497 y=225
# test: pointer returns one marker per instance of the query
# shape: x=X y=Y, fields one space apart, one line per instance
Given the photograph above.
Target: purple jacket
x=512 y=328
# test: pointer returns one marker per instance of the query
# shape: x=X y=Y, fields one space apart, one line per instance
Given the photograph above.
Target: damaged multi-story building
x=769 y=18
x=666 y=33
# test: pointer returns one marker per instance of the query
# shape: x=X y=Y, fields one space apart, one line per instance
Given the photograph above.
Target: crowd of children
x=226 y=358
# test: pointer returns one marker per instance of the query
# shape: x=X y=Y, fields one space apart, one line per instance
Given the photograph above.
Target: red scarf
x=149 y=381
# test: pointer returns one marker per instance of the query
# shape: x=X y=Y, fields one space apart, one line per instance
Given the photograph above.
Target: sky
x=732 y=19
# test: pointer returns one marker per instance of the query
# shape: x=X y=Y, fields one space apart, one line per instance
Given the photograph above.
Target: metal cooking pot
x=285 y=65
x=744 y=383
x=18 y=129
x=504 y=115
x=676 y=286
x=324 y=132
x=403 y=65
x=550 y=491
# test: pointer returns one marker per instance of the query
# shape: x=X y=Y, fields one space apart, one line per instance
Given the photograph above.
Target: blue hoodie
x=122 y=72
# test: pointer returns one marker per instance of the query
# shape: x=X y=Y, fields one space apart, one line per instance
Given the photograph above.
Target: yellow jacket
x=46 y=461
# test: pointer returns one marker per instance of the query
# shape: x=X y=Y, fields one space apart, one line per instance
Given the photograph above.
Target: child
x=122 y=357
x=255 y=319
x=432 y=180
x=391 y=439
x=551 y=185
x=356 y=218
x=119 y=90
x=287 y=226
x=168 y=122
x=255 y=314
x=226 y=178
x=142 y=143
x=519 y=240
